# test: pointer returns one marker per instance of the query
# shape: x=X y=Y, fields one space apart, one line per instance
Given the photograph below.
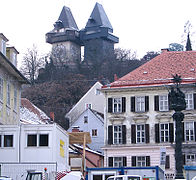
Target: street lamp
x=178 y=103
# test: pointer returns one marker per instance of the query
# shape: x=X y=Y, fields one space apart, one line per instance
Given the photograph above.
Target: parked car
x=125 y=177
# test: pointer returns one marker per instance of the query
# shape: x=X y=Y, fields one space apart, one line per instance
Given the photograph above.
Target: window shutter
x=133 y=134
x=110 y=134
x=157 y=136
x=195 y=129
x=124 y=130
x=183 y=159
x=147 y=160
x=171 y=132
x=132 y=104
x=146 y=103
x=147 y=133
x=169 y=102
x=183 y=138
x=110 y=101
x=123 y=104
x=110 y=161
x=167 y=163
x=156 y=103
x=194 y=96
x=133 y=160
x=124 y=161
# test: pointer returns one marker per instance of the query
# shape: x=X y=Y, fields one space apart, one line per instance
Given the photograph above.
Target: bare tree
x=125 y=54
x=31 y=64
x=59 y=55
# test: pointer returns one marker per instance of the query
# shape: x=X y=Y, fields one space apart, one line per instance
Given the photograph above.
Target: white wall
x=10 y=154
x=93 y=123
x=24 y=154
x=91 y=98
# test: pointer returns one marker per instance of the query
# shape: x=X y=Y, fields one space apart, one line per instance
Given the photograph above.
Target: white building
x=138 y=119
x=32 y=147
x=91 y=121
x=93 y=99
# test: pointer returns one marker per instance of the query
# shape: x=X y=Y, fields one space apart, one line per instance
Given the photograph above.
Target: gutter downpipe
x=19 y=143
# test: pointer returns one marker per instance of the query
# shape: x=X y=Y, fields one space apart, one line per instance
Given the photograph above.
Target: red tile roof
x=38 y=115
x=160 y=69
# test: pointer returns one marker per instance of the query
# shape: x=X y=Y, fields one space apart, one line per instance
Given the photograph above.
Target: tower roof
x=98 y=18
x=66 y=19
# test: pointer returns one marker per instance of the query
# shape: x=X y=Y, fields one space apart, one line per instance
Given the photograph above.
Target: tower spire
x=188 y=44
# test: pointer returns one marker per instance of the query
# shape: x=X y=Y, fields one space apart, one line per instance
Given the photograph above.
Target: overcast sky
x=141 y=25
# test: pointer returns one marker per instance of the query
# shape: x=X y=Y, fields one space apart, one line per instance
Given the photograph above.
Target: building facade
x=11 y=81
x=93 y=122
x=139 y=128
x=93 y=99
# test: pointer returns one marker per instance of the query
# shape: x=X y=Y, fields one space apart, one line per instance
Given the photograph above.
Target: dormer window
x=11 y=54
x=3 y=41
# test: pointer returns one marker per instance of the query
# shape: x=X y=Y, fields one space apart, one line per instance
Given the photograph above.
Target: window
x=140 y=104
x=15 y=98
x=164 y=132
x=97 y=177
x=43 y=140
x=94 y=132
x=3 y=47
x=97 y=92
x=118 y=134
x=8 y=140
x=85 y=119
x=117 y=161
x=189 y=131
x=14 y=58
x=163 y=103
x=31 y=140
x=1 y=89
x=8 y=93
x=88 y=106
x=117 y=105
x=189 y=101
x=141 y=161
x=190 y=158
x=167 y=162
x=140 y=133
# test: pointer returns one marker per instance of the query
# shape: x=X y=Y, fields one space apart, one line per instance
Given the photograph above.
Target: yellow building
x=11 y=81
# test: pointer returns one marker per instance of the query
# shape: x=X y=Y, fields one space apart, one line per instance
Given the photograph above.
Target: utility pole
x=178 y=103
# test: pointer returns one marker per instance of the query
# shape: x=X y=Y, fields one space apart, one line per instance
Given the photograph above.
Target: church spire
x=188 y=44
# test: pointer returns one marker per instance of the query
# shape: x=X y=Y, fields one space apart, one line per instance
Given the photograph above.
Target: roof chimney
x=115 y=77
x=75 y=129
x=164 y=50
x=52 y=115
